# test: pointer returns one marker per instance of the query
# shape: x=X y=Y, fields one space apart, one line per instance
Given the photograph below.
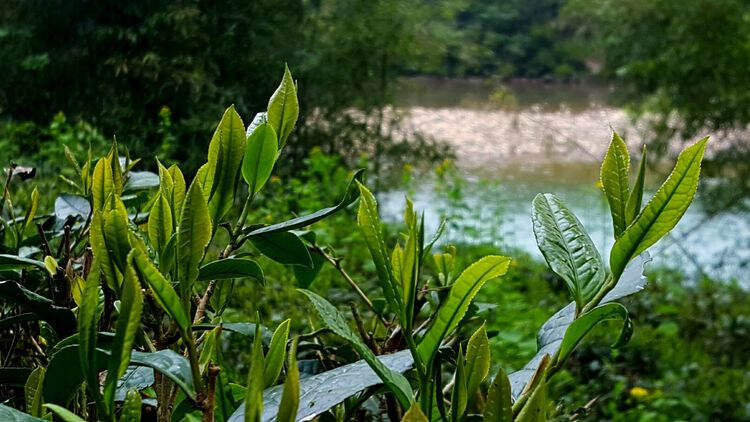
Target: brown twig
x=208 y=403
x=362 y=331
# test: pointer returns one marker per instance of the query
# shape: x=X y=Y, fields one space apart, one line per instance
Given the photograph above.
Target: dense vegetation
x=111 y=292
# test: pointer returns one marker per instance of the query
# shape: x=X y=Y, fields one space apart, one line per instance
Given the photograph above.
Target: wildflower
x=639 y=392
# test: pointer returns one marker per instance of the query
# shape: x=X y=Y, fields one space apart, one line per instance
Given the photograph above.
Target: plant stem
x=193 y=357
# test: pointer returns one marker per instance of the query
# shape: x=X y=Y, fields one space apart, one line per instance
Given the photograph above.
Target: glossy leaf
x=551 y=333
x=283 y=108
x=193 y=236
x=224 y=159
x=499 y=407
x=336 y=322
x=260 y=156
x=131 y=407
x=633 y=206
x=228 y=268
x=164 y=293
x=63 y=413
x=160 y=223
x=128 y=323
x=274 y=360
x=290 y=395
x=10 y=414
x=614 y=177
x=567 y=248
x=462 y=292
x=255 y=381
x=663 y=211
x=67 y=205
x=33 y=392
x=283 y=247
x=586 y=322
x=322 y=391
x=477 y=360
x=369 y=224
x=350 y=195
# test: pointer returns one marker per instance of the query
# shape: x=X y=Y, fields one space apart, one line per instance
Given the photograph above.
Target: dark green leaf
x=477 y=360
x=61 y=319
x=224 y=269
x=283 y=247
x=14 y=262
x=586 y=322
x=10 y=414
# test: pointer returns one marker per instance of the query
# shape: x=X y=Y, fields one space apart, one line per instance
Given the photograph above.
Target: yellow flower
x=639 y=392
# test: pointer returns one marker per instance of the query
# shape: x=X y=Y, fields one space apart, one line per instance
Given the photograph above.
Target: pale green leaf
x=178 y=191
x=33 y=392
x=131 y=407
x=164 y=293
x=459 y=397
x=193 y=235
x=88 y=321
x=63 y=413
x=614 y=177
x=586 y=322
x=414 y=414
x=102 y=184
x=663 y=211
x=477 y=360
x=160 y=223
x=283 y=108
x=255 y=383
x=260 y=156
x=274 y=360
x=31 y=211
x=499 y=407
x=633 y=206
x=290 y=395
x=224 y=159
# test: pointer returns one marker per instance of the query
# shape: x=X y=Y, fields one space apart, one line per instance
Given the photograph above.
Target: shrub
x=119 y=296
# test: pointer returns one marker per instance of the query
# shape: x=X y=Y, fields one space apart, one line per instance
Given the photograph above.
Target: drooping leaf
x=586 y=322
x=13 y=262
x=551 y=333
x=160 y=223
x=283 y=108
x=614 y=177
x=33 y=392
x=414 y=414
x=228 y=268
x=567 y=248
x=477 y=360
x=290 y=395
x=255 y=382
x=131 y=407
x=274 y=360
x=321 y=392
x=283 y=247
x=663 y=211
x=60 y=318
x=224 y=159
x=193 y=236
x=633 y=206
x=164 y=293
x=462 y=292
x=260 y=156
x=10 y=414
x=350 y=195
x=499 y=407
x=67 y=205
x=369 y=224
x=128 y=323
x=63 y=413
x=336 y=322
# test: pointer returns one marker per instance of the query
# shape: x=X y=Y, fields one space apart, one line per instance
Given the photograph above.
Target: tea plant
x=119 y=295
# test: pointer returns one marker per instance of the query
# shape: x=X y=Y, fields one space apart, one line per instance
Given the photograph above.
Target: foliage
x=129 y=275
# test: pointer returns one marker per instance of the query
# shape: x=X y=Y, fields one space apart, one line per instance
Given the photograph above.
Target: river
x=529 y=137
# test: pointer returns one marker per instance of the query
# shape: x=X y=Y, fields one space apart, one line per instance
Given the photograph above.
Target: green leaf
x=350 y=195
x=224 y=159
x=414 y=414
x=229 y=268
x=255 y=381
x=535 y=409
x=140 y=180
x=128 y=323
x=63 y=413
x=13 y=262
x=60 y=318
x=88 y=321
x=33 y=392
x=633 y=206
x=102 y=184
x=290 y=396
x=170 y=364
x=586 y=322
x=283 y=247
x=131 y=407
x=274 y=360
x=116 y=232
x=160 y=223
x=567 y=248
x=459 y=397
x=164 y=293
x=31 y=211
x=178 y=191
x=260 y=156
x=335 y=321
x=12 y=415
x=193 y=236
x=477 y=360
x=305 y=276
x=283 y=108
x=369 y=224
x=663 y=211
x=67 y=205
x=499 y=407
x=50 y=265
x=99 y=247
x=614 y=177
x=462 y=292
